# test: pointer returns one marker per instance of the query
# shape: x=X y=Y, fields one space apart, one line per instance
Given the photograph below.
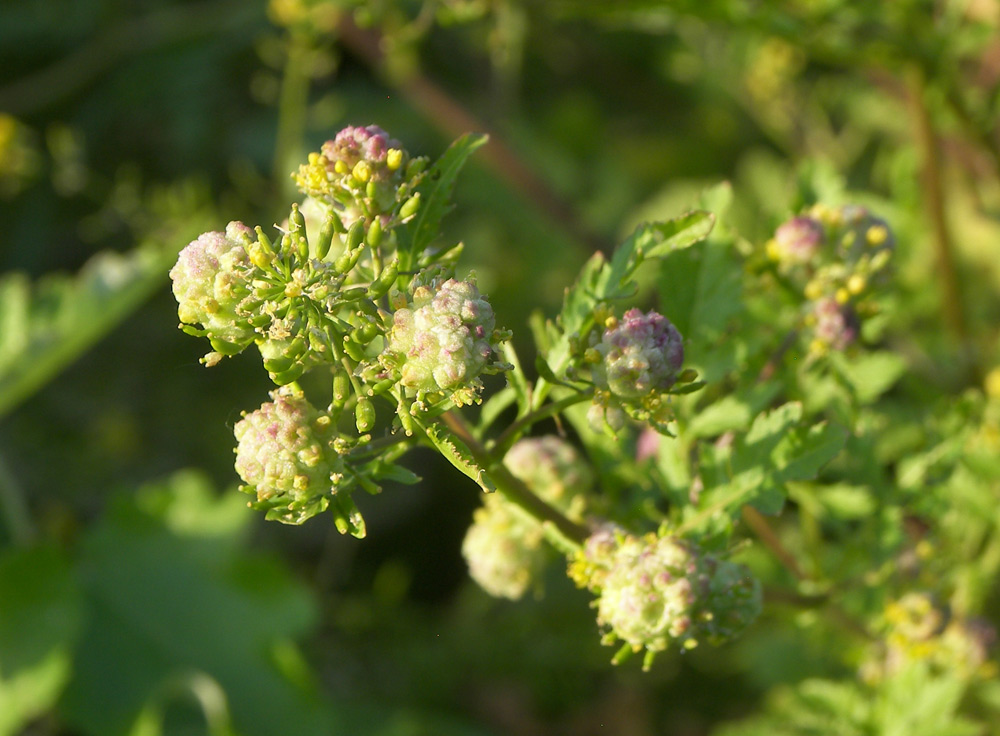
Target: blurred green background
x=138 y=596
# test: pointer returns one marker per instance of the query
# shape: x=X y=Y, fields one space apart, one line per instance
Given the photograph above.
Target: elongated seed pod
x=384 y=282
x=364 y=414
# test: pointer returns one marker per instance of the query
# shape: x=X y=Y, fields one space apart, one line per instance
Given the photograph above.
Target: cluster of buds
x=659 y=589
x=833 y=256
x=442 y=340
x=917 y=629
x=363 y=175
x=287 y=456
x=503 y=547
x=634 y=365
x=210 y=280
x=331 y=294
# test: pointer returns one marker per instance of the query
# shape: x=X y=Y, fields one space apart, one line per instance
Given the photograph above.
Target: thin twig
x=514 y=489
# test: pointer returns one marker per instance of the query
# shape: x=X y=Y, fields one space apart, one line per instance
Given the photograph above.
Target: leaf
x=777 y=449
x=458 y=454
x=436 y=188
x=40 y=620
x=870 y=375
x=166 y=603
x=700 y=291
x=46 y=326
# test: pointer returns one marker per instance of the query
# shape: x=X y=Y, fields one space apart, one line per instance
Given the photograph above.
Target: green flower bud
x=444 y=340
x=552 y=468
x=658 y=590
x=642 y=354
x=504 y=554
x=210 y=279
x=503 y=547
x=285 y=457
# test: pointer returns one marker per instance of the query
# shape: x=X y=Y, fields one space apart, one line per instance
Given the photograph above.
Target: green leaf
x=700 y=291
x=871 y=374
x=168 y=604
x=44 y=327
x=40 y=620
x=458 y=454
x=776 y=450
x=435 y=191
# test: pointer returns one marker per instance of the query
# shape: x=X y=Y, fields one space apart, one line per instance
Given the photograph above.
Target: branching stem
x=567 y=532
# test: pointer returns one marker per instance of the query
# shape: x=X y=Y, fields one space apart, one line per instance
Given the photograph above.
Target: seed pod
x=285 y=377
x=374 y=236
x=410 y=207
x=384 y=282
x=345 y=262
x=354 y=350
x=325 y=238
x=364 y=414
x=341 y=389
x=355 y=236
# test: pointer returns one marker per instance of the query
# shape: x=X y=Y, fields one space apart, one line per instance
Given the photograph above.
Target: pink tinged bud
x=209 y=281
x=643 y=353
x=836 y=324
x=441 y=341
x=281 y=454
x=798 y=239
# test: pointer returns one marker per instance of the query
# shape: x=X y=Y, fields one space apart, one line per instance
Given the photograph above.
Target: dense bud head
x=835 y=325
x=504 y=553
x=643 y=353
x=360 y=174
x=355 y=144
x=862 y=233
x=552 y=468
x=918 y=629
x=210 y=280
x=444 y=339
x=284 y=454
x=657 y=590
x=798 y=240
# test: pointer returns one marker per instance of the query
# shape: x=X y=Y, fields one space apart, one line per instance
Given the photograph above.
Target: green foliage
x=857 y=485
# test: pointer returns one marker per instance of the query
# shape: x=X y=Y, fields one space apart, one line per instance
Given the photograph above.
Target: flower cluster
x=210 y=280
x=329 y=292
x=634 y=365
x=504 y=548
x=833 y=256
x=660 y=589
x=443 y=340
x=286 y=457
x=917 y=629
x=364 y=175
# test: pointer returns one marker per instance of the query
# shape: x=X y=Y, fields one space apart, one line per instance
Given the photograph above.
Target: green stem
x=510 y=435
x=562 y=531
x=14 y=508
x=291 y=107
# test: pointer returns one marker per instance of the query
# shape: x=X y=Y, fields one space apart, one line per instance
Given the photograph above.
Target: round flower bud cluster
x=833 y=255
x=286 y=457
x=443 y=340
x=503 y=547
x=656 y=590
x=210 y=279
x=915 y=628
x=363 y=174
x=637 y=360
x=503 y=550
